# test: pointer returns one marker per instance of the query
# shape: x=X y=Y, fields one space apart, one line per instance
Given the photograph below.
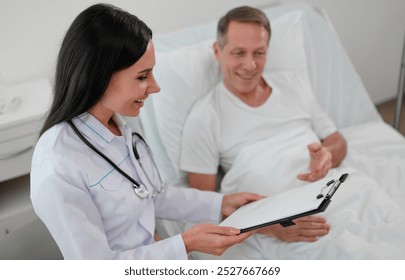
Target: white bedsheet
x=367 y=214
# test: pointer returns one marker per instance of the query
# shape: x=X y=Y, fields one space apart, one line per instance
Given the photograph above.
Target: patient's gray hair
x=241 y=14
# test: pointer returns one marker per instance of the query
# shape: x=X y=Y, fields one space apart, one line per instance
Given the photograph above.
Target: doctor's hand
x=231 y=202
x=306 y=229
x=320 y=163
x=212 y=239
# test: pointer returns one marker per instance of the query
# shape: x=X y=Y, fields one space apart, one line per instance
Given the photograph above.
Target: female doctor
x=93 y=182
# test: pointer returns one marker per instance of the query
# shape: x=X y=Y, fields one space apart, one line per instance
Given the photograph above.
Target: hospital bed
x=303 y=41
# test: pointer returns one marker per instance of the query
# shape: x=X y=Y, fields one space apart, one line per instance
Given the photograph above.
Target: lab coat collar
x=96 y=131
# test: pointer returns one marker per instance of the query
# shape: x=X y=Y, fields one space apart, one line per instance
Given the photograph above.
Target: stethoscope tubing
x=136 y=184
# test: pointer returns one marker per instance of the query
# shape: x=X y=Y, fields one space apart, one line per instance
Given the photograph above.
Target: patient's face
x=243 y=57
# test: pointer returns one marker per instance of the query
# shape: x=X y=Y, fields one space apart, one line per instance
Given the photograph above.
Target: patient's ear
x=217 y=49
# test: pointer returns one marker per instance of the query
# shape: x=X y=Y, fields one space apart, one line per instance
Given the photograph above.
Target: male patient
x=250 y=106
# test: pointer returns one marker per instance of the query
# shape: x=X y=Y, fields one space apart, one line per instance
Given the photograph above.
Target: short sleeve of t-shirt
x=321 y=123
x=199 y=149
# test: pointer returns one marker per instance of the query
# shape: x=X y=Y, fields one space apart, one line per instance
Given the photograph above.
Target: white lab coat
x=91 y=209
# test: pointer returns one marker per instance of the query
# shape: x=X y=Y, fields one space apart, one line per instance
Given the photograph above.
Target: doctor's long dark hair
x=103 y=39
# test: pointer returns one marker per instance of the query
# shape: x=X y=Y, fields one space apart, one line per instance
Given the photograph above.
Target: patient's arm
x=324 y=156
x=306 y=229
x=205 y=182
x=337 y=146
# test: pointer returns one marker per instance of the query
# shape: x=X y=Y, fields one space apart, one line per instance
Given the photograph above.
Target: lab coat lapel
x=147 y=219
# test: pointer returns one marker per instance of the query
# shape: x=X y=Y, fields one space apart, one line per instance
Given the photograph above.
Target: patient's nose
x=249 y=63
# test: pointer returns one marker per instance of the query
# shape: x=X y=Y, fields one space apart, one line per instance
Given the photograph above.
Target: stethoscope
x=139 y=189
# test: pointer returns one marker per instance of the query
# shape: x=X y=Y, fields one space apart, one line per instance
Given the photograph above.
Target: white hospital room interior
x=360 y=63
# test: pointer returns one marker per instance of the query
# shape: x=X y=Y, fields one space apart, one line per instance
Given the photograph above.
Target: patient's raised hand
x=319 y=165
x=306 y=229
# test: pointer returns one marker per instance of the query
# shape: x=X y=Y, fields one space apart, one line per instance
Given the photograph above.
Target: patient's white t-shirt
x=220 y=125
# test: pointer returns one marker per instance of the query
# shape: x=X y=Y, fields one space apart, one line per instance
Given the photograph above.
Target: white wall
x=372 y=32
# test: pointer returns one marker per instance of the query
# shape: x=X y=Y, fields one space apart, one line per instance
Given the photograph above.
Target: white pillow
x=184 y=75
x=187 y=73
x=286 y=51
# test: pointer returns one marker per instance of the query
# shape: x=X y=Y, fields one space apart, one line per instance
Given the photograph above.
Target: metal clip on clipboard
x=336 y=186
x=325 y=203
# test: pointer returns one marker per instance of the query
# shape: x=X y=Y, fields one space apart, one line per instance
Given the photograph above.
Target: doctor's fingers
x=208 y=238
x=231 y=202
x=223 y=242
x=216 y=239
x=245 y=197
x=230 y=235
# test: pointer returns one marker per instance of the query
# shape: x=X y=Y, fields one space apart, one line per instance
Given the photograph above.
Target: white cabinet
x=23 y=111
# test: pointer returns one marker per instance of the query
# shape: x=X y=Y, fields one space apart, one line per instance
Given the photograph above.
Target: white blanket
x=367 y=214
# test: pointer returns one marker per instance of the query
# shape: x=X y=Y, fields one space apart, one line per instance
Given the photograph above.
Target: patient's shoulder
x=207 y=103
x=296 y=84
x=285 y=78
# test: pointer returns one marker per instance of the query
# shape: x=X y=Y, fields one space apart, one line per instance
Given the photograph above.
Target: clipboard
x=283 y=208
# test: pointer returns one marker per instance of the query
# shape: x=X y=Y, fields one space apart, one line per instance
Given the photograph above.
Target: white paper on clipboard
x=291 y=203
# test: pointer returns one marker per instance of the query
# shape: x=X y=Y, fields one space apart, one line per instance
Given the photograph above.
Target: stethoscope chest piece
x=141 y=191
